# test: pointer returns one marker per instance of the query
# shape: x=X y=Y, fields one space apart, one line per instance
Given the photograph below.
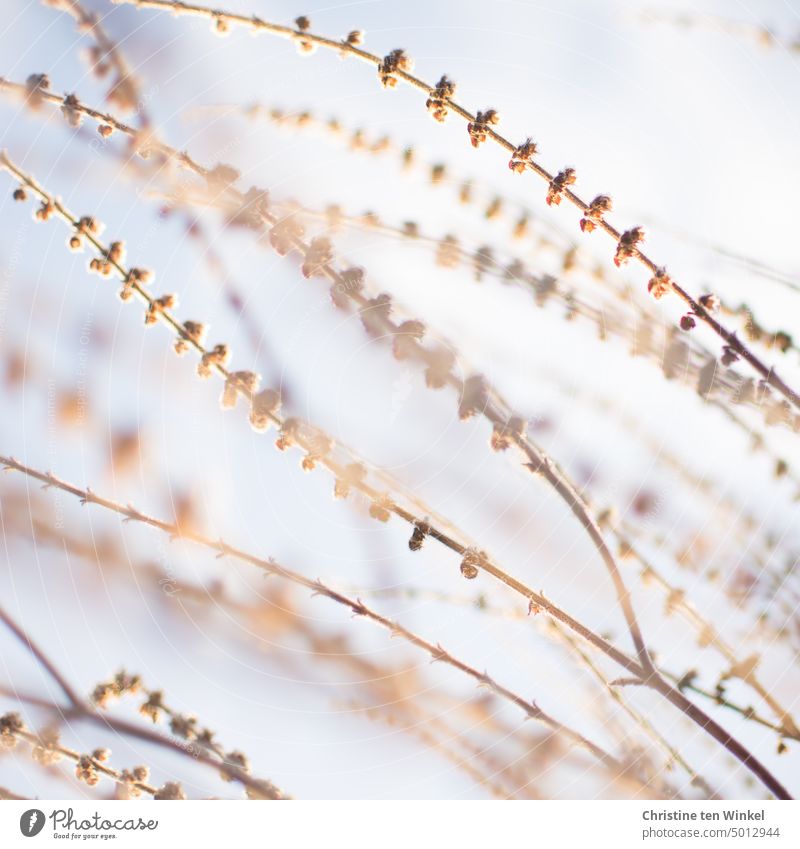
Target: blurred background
x=685 y=114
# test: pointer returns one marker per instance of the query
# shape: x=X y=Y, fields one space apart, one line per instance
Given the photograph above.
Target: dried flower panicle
x=437 y=103
x=558 y=185
x=396 y=60
x=628 y=245
x=595 y=211
x=480 y=128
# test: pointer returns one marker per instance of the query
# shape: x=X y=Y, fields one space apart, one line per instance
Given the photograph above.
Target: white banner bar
x=402 y=825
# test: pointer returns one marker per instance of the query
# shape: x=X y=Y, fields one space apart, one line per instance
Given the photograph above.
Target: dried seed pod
x=381 y=508
x=594 y=213
x=440 y=366
x=36 y=86
x=45 y=211
x=70 y=109
x=193 y=331
x=157 y=306
x=627 y=245
x=171 y=791
x=474 y=397
x=437 y=104
x=660 y=284
x=421 y=530
x=290 y=430
x=558 y=186
x=375 y=314
x=523 y=156
x=237 y=382
x=479 y=129
x=218 y=356
x=503 y=435
x=393 y=62
x=406 y=339
x=264 y=405
x=354 y=475
x=284 y=235
x=318 y=255
x=470 y=562
x=709 y=302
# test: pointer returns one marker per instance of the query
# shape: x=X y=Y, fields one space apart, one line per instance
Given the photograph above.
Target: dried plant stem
x=538 y=463
x=90 y=762
x=370 y=672
x=125 y=92
x=165 y=316
x=256 y=788
x=497 y=205
x=654 y=681
x=536 y=460
x=437 y=653
x=73 y=698
x=344 y=48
